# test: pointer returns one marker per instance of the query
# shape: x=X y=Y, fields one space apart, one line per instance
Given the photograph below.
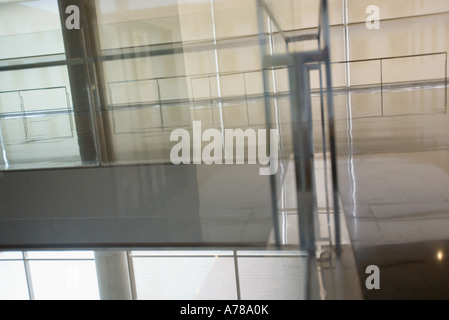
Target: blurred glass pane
x=365 y=73
x=400 y=37
x=185 y=278
x=39 y=30
x=196 y=20
x=233 y=85
x=265 y=253
x=133 y=92
x=139 y=23
x=419 y=101
x=138 y=119
x=36 y=120
x=45 y=99
x=256 y=111
x=173 y=89
x=235 y=18
x=366 y=105
x=395 y=9
x=10 y=102
x=272 y=278
x=13 y=284
x=10 y=255
x=414 y=69
x=64 y=280
x=50 y=255
x=182 y=253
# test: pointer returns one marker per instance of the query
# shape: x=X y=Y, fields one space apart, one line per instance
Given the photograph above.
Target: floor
x=394 y=185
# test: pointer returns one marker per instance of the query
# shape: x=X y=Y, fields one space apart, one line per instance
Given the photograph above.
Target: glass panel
x=196 y=20
x=139 y=23
x=199 y=62
x=235 y=18
x=161 y=64
x=137 y=119
x=302 y=14
x=366 y=105
x=201 y=87
x=66 y=255
x=10 y=255
x=173 y=89
x=233 y=85
x=395 y=9
x=128 y=92
x=41 y=82
x=13 y=282
x=254 y=83
x=272 y=278
x=38 y=33
x=203 y=112
x=256 y=110
x=418 y=101
x=268 y=253
x=185 y=278
x=64 y=280
x=36 y=123
x=414 y=69
x=400 y=37
x=181 y=253
x=365 y=73
x=10 y=102
x=235 y=114
x=176 y=115
x=236 y=59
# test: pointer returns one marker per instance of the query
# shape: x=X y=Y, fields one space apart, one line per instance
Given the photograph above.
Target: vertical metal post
x=211 y=103
x=445 y=85
x=263 y=48
x=160 y=104
x=132 y=275
x=237 y=275
x=382 y=87
x=303 y=151
x=217 y=71
x=26 y=265
x=24 y=117
x=3 y=146
x=324 y=132
x=331 y=119
x=246 y=98
x=114 y=121
x=69 y=111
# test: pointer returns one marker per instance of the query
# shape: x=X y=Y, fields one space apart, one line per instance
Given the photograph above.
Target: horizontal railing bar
x=303 y=37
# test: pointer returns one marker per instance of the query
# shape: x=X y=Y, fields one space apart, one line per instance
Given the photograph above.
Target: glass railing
x=110 y=114
x=108 y=121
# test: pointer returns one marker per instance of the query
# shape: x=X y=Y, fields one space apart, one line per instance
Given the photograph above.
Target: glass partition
x=173 y=124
